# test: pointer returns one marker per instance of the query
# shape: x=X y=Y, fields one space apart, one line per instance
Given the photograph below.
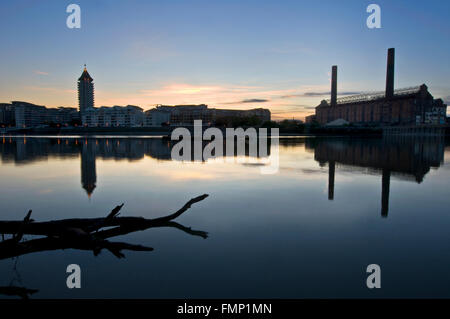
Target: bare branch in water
x=86 y=234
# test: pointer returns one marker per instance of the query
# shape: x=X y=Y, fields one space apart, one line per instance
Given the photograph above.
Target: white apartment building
x=115 y=116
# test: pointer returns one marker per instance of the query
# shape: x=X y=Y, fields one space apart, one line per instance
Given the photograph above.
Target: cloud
x=255 y=101
x=287 y=109
x=235 y=95
x=289 y=96
x=313 y=94
x=40 y=72
x=220 y=95
x=329 y=93
x=248 y=101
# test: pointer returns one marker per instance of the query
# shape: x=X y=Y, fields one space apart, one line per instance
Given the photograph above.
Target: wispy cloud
x=247 y=101
x=236 y=96
x=211 y=94
x=40 y=72
x=329 y=93
x=286 y=108
x=223 y=95
x=313 y=94
x=255 y=101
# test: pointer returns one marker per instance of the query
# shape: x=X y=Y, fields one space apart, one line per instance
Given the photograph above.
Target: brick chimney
x=390 y=73
x=333 y=85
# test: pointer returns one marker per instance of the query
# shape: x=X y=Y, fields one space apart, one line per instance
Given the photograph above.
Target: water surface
x=335 y=206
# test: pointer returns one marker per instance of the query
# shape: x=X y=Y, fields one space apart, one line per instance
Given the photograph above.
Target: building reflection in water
x=407 y=158
x=27 y=150
x=88 y=170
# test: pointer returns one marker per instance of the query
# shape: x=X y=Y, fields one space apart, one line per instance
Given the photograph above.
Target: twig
x=182 y=209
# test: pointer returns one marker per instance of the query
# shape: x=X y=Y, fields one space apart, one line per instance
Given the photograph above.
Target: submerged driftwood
x=85 y=234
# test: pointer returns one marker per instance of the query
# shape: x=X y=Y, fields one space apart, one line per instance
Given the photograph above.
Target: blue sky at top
x=223 y=53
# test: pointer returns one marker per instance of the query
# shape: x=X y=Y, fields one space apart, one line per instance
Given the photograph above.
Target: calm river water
x=335 y=206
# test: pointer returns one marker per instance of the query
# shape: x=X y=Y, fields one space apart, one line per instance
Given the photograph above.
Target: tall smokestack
x=333 y=85
x=390 y=73
x=331 y=170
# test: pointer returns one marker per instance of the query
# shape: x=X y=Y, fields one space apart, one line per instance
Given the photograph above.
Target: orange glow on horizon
x=284 y=103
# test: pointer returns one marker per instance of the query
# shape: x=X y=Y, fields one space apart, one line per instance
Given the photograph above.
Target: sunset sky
x=227 y=54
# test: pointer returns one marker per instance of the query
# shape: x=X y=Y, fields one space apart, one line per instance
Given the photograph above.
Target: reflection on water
x=316 y=221
x=405 y=157
x=27 y=150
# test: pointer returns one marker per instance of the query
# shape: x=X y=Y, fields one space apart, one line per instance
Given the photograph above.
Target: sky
x=227 y=54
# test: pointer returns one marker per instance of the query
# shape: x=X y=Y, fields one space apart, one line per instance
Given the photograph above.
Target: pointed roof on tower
x=89 y=188
x=85 y=75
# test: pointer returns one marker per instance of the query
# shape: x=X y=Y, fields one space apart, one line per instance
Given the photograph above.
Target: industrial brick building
x=410 y=106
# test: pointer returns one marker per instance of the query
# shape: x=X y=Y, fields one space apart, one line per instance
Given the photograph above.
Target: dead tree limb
x=57 y=227
x=86 y=234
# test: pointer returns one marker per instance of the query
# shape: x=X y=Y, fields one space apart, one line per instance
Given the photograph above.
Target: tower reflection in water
x=408 y=158
x=88 y=170
x=24 y=150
